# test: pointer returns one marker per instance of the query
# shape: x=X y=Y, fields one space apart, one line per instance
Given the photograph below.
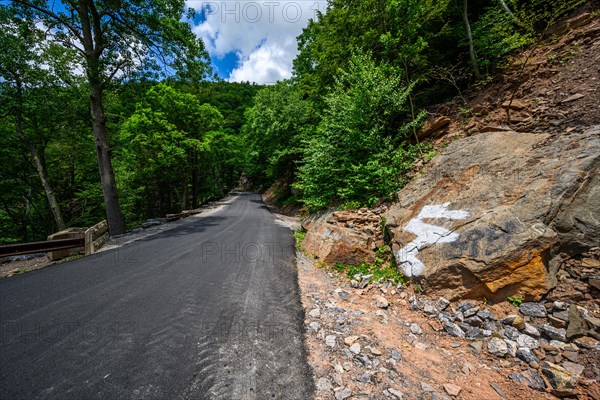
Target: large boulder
x=495 y=213
x=348 y=237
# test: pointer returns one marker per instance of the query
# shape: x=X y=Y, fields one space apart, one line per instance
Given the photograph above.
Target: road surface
x=207 y=310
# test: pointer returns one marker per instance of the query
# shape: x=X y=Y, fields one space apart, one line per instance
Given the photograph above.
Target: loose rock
x=533 y=310
x=497 y=347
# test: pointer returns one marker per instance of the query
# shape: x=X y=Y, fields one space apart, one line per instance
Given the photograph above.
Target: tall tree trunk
x=472 y=54
x=39 y=164
x=114 y=217
x=93 y=44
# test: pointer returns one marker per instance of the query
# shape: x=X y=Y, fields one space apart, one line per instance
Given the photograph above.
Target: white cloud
x=261 y=33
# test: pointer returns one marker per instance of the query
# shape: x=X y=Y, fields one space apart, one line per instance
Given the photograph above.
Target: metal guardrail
x=40 y=247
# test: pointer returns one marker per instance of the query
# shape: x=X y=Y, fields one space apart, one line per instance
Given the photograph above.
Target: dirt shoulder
x=368 y=344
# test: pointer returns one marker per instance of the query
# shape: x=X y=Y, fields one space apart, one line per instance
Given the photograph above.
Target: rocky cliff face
x=495 y=214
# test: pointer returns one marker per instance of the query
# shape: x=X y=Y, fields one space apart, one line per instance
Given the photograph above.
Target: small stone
x=444 y=316
x=339 y=369
x=577 y=326
x=354 y=284
x=557 y=322
x=426 y=387
x=526 y=355
x=510 y=333
x=324 y=385
x=453 y=330
x=349 y=340
x=396 y=355
x=330 y=340
x=415 y=305
x=559 y=345
x=498 y=390
x=559 y=377
x=533 y=310
x=355 y=348
x=416 y=329
x=476 y=346
x=554 y=333
x=527 y=342
x=381 y=302
x=364 y=378
x=564 y=315
x=530 y=378
x=474 y=321
x=574 y=97
x=365 y=281
x=421 y=346
x=465 y=305
x=375 y=351
x=508 y=320
x=474 y=333
x=531 y=331
x=429 y=310
x=364 y=360
x=470 y=312
x=459 y=316
x=512 y=347
x=486 y=315
x=315 y=326
x=442 y=304
x=573 y=368
x=342 y=393
x=559 y=306
x=315 y=313
x=497 y=347
x=451 y=389
x=337 y=378
x=572 y=356
x=396 y=393
x=587 y=343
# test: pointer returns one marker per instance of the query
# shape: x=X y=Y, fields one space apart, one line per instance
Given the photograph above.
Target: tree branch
x=52 y=15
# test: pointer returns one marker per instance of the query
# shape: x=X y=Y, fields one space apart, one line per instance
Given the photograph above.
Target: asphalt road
x=207 y=310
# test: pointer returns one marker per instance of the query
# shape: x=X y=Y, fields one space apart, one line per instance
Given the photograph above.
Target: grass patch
x=299 y=234
x=380 y=269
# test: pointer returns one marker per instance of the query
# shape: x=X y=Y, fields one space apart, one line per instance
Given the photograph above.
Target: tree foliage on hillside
x=361 y=140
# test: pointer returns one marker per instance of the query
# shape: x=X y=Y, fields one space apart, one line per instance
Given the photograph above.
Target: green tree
x=275 y=130
x=358 y=153
x=113 y=38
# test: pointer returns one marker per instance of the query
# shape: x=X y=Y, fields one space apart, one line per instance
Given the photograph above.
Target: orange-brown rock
x=349 y=237
x=494 y=214
x=433 y=125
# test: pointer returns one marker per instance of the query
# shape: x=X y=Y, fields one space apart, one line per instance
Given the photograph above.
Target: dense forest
x=111 y=109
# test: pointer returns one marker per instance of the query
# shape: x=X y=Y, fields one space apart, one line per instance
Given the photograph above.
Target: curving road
x=207 y=310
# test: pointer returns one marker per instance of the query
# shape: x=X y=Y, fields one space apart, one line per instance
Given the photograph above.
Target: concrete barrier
x=95 y=237
x=69 y=233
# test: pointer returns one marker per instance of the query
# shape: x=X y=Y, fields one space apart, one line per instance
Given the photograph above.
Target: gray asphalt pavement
x=207 y=310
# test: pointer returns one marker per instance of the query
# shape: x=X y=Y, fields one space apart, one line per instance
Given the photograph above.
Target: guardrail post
x=95 y=237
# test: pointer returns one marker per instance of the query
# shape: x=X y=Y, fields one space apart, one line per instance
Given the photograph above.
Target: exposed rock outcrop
x=495 y=214
x=349 y=237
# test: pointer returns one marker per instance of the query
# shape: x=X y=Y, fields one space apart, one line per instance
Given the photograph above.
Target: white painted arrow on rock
x=426 y=234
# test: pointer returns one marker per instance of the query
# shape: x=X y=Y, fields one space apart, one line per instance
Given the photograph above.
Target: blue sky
x=252 y=40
